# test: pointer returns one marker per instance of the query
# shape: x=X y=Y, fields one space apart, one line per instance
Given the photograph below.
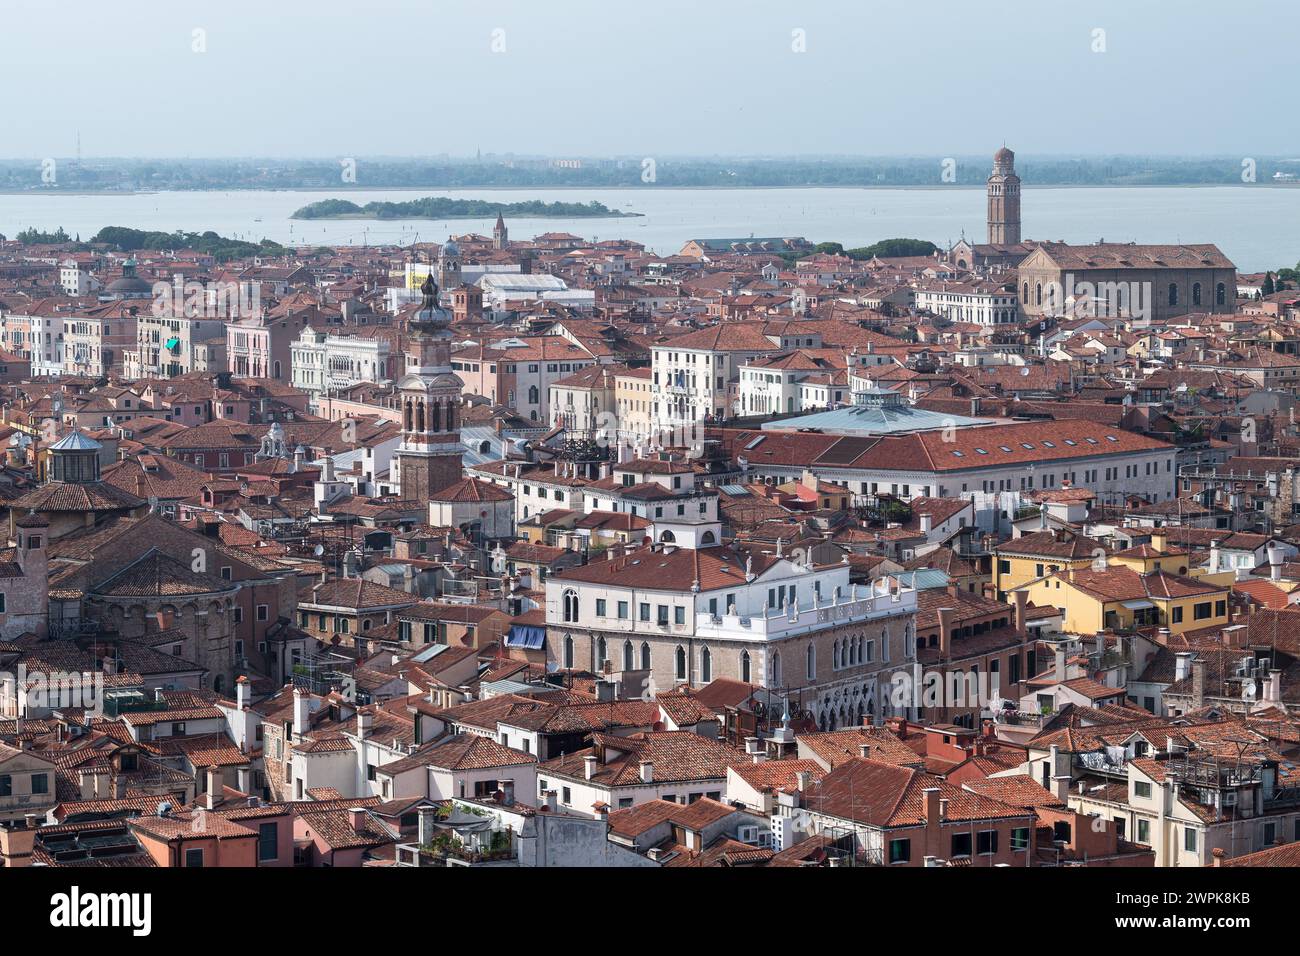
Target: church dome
x=130 y=285
x=1004 y=157
x=452 y=248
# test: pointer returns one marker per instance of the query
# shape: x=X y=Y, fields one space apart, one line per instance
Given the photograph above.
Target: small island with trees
x=442 y=207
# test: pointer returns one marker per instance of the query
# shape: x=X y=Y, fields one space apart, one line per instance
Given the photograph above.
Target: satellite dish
x=318 y=550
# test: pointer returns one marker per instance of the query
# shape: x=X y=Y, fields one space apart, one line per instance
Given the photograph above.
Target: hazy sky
x=660 y=77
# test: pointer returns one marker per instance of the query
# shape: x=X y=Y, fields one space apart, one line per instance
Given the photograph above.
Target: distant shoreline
x=979 y=187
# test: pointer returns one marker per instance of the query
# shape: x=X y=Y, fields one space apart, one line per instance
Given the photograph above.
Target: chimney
x=214 y=788
x=93 y=782
x=927 y=523
x=647 y=771
x=1060 y=781
x=802 y=779
x=945 y=633
x=364 y=721
x=864 y=751
x=1218 y=853
x=589 y=763
x=428 y=816
x=241 y=692
x=933 y=807
x=1273 y=687
x=1059 y=660
x=1182 y=664
x=1274 y=562
x=357 y=818
x=301 y=712
x=1021 y=598
x=1198 y=683
x=245 y=783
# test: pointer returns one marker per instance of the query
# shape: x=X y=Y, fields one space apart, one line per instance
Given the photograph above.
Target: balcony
x=862 y=604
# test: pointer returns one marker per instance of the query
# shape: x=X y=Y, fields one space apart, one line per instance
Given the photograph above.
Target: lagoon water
x=1257 y=226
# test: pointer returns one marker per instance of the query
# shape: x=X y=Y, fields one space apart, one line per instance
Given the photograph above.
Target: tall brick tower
x=1004 y=199
x=430 y=452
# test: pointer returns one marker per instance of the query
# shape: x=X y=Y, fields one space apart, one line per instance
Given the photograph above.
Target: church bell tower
x=429 y=457
x=1004 y=200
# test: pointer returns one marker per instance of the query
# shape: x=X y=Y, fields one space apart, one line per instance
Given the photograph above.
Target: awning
x=1139 y=605
x=172 y=343
x=526 y=636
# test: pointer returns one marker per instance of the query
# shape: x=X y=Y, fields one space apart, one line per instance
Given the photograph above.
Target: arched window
x=812 y=662
x=1173 y=293
x=277 y=369
x=1220 y=294
x=1025 y=294
x=679 y=663
x=484 y=447
x=776 y=669
x=532 y=394
x=1038 y=294
x=706 y=665
x=835 y=657
x=568 y=651
x=602 y=654
x=1196 y=293
x=645 y=656
x=629 y=660
x=708 y=538
x=667 y=537
x=744 y=666
x=571 y=605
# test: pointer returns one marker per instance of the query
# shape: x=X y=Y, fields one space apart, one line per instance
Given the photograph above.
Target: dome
x=452 y=248
x=76 y=441
x=129 y=285
x=1004 y=157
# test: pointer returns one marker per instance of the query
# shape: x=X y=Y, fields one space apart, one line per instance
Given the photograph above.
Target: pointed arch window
x=570 y=600
x=679 y=663
x=645 y=656
x=706 y=665
x=629 y=657
x=744 y=667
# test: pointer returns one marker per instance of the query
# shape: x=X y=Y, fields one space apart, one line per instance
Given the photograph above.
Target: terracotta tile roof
x=1015 y=791
x=836 y=747
x=461 y=752
x=883 y=795
x=631 y=822
x=772 y=775
x=678 y=756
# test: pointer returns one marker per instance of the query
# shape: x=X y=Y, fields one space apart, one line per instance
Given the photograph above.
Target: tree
x=889 y=248
x=1268 y=287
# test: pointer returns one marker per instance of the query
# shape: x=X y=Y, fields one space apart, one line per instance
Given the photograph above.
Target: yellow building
x=1033 y=556
x=633 y=401
x=1120 y=598
x=1143 y=558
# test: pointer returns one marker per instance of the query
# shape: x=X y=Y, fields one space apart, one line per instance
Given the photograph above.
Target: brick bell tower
x=1004 y=200
x=430 y=452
